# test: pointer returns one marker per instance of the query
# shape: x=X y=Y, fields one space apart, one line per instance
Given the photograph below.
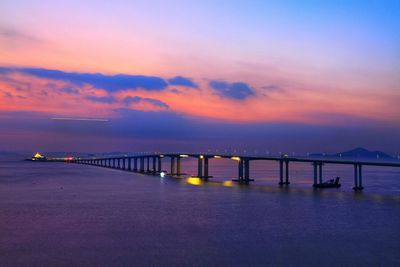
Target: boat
x=332 y=183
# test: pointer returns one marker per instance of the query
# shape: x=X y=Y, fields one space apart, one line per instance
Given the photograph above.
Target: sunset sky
x=295 y=76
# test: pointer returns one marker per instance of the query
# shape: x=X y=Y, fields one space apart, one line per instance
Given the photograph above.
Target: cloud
x=272 y=88
x=137 y=99
x=111 y=83
x=10 y=33
x=237 y=90
x=70 y=90
x=182 y=81
x=101 y=99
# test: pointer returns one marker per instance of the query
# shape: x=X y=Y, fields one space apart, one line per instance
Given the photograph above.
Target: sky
x=255 y=76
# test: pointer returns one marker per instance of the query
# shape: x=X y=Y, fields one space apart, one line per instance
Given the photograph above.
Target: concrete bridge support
x=159 y=165
x=206 y=176
x=135 y=165
x=172 y=166
x=178 y=166
x=141 y=164
x=200 y=167
x=154 y=161
x=358 y=177
x=281 y=172
x=317 y=172
x=243 y=172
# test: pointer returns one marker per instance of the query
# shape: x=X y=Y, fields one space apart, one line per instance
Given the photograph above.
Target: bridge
x=152 y=164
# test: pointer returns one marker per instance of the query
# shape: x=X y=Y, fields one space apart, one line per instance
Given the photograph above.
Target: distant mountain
x=360 y=152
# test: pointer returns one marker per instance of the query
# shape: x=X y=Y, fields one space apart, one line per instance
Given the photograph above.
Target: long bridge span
x=152 y=164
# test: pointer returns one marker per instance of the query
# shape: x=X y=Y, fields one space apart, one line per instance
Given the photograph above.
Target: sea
x=66 y=214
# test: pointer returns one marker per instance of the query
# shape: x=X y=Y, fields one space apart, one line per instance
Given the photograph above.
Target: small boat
x=332 y=183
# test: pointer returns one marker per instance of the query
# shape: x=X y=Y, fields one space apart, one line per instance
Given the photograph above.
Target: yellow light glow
x=217 y=157
x=235 y=158
x=38 y=156
x=227 y=183
x=194 y=181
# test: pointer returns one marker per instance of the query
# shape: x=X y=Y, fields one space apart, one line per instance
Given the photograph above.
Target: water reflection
x=325 y=193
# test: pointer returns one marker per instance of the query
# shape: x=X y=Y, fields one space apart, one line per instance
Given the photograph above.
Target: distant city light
x=162 y=174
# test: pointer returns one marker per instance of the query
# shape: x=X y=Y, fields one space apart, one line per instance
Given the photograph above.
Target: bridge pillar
x=154 y=165
x=286 y=182
x=130 y=164
x=159 y=165
x=178 y=166
x=123 y=163
x=287 y=172
x=148 y=164
x=135 y=169
x=206 y=168
x=240 y=170
x=315 y=164
x=200 y=167
x=172 y=166
x=247 y=171
x=142 y=164
x=358 y=177
x=320 y=172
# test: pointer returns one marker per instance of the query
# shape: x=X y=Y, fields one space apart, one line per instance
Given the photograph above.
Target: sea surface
x=60 y=214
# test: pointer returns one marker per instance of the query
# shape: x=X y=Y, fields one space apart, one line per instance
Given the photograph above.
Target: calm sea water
x=56 y=214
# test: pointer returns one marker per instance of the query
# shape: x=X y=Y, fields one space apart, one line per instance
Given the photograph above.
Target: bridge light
x=217 y=157
x=184 y=156
x=201 y=156
x=161 y=156
x=235 y=158
x=162 y=174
